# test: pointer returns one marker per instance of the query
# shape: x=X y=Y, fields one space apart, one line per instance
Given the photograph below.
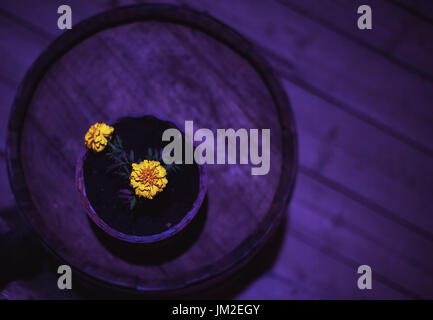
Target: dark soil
x=149 y=216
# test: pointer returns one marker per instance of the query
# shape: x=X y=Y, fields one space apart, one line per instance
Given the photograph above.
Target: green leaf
x=172 y=168
x=123 y=174
x=132 y=203
x=119 y=141
x=119 y=160
x=115 y=148
x=114 y=166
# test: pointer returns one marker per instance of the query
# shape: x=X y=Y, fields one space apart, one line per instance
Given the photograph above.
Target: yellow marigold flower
x=148 y=178
x=97 y=136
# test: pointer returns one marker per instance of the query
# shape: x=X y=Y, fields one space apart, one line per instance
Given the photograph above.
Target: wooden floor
x=363 y=106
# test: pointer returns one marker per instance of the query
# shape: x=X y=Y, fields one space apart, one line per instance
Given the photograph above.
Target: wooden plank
x=6 y=97
x=16 y=237
x=327 y=231
x=366 y=84
x=398 y=35
x=39 y=282
x=19 y=48
x=351 y=153
x=303 y=267
x=388 y=197
x=250 y=290
x=422 y=9
x=42 y=17
x=312 y=152
x=360 y=100
x=7 y=199
x=355 y=235
x=271 y=286
x=40 y=287
x=389 y=180
x=72 y=82
x=379 y=95
x=304 y=260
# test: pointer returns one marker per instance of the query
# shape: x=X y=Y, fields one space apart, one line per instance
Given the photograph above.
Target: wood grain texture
x=416 y=177
x=6 y=98
x=347 y=76
x=422 y=9
x=397 y=34
x=171 y=71
x=368 y=85
x=348 y=218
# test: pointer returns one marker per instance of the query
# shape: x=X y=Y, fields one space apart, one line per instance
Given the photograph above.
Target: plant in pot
x=126 y=187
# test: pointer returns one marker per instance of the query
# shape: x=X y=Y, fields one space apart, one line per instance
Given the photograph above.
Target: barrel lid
x=175 y=63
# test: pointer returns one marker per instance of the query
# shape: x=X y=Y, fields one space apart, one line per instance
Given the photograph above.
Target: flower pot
x=102 y=189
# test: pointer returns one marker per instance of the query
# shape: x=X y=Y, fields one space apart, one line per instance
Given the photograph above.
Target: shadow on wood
x=263 y=261
x=228 y=288
x=155 y=253
x=21 y=254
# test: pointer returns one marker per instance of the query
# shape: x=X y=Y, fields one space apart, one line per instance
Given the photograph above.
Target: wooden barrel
x=173 y=63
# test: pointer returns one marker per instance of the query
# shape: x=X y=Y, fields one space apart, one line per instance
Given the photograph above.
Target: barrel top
x=176 y=64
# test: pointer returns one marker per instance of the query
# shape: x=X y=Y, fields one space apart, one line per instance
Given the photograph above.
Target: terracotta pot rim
x=92 y=214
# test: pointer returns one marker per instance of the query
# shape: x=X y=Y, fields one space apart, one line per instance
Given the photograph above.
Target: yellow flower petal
x=96 y=138
x=148 y=178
